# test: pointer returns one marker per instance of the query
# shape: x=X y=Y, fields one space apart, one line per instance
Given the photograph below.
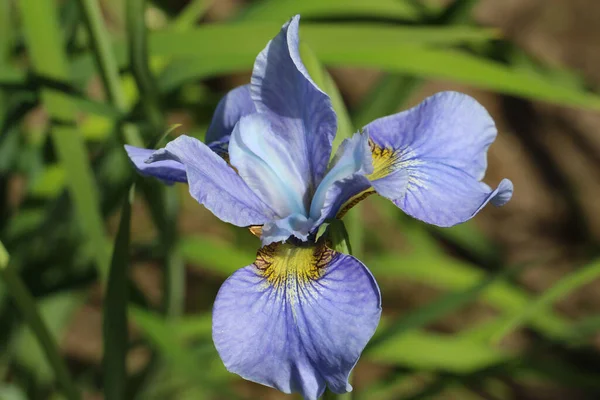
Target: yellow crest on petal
x=289 y=265
x=384 y=161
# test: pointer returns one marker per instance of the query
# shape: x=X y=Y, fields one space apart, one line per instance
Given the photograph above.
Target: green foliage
x=101 y=73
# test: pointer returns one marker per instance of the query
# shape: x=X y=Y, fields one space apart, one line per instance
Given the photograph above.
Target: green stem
x=107 y=64
x=26 y=304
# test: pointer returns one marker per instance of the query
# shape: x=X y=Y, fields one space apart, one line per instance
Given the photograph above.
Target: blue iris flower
x=298 y=318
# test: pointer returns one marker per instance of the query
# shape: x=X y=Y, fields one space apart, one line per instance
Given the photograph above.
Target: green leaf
x=233 y=47
x=115 y=333
x=435 y=310
x=425 y=263
x=429 y=351
x=468 y=237
x=562 y=288
x=12 y=392
x=229 y=48
x=214 y=254
x=340 y=240
x=107 y=64
x=11 y=76
x=191 y=14
x=282 y=10
x=45 y=48
x=203 y=369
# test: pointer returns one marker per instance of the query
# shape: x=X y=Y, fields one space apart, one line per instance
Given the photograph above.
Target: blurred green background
x=506 y=306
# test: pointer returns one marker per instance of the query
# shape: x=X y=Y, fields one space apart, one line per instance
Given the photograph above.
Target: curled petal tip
x=503 y=194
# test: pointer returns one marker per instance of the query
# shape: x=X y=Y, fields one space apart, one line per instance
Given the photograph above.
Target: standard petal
x=214 y=184
x=168 y=171
x=429 y=160
x=265 y=160
x=345 y=182
x=233 y=106
x=281 y=86
x=297 y=319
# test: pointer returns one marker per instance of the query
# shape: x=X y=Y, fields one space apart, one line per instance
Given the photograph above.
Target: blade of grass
x=282 y=10
x=138 y=59
x=559 y=290
x=192 y=13
x=107 y=65
x=393 y=90
x=114 y=329
x=174 y=282
x=436 y=309
x=28 y=308
x=239 y=43
x=354 y=46
x=213 y=254
x=159 y=332
x=429 y=351
x=43 y=39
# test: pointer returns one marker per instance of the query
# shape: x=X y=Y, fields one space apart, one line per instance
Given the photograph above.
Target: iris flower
x=298 y=318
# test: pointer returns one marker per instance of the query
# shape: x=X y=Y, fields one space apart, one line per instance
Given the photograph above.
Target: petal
x=297 y=319
x=281 y=87
x=445 y=197
x=345 y=180
x=169 y=171
x=214 y=184
x=266 y=163
x=233 y=106
x=429 y=160
x=296 y=225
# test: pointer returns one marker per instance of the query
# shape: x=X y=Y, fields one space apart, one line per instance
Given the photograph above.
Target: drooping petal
x=345 y=180
x=214 y=184
x=429 y=160
x=282 y=87
x=233 y=106
x=297 y=319
x=168 y=171
x=265 y=160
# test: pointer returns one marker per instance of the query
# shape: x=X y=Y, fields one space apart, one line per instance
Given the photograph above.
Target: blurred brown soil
x=551 y=153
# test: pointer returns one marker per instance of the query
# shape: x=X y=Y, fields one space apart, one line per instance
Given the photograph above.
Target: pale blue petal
x=445 y=196
x=275 y=326
x=168 y=171
x=233 y=106
x=214 y=184
x=295 y=225
x=429 y=160
x=345 y=179
x=265 y=160
x=305 y=119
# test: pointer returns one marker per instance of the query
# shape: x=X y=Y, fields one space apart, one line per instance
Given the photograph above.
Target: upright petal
x=233 y=106
x=168 y=171
x=214 y=184
x=265 y=160
x=430 y=159
x=281 y=86
x=297 y=319
x=345 y=181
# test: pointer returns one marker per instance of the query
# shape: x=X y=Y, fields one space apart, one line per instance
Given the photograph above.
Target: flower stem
x=26 y=304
